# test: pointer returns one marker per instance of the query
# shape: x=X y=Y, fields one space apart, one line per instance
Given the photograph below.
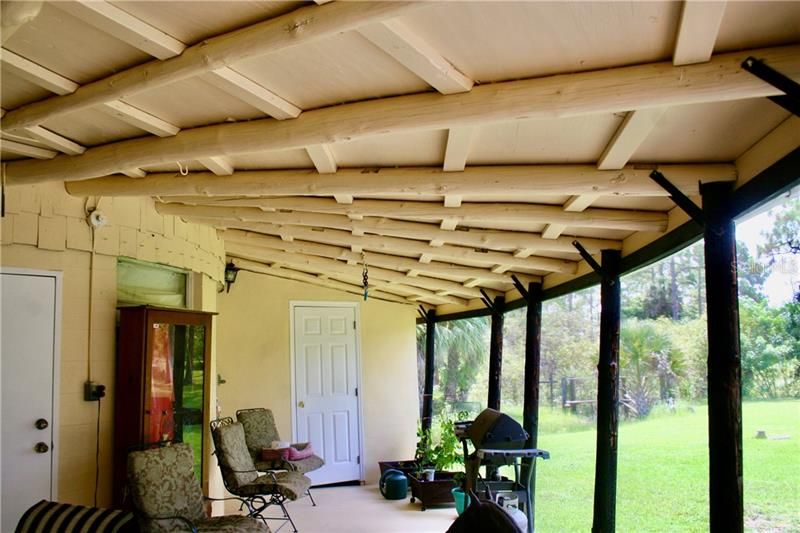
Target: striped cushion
x=47 y=517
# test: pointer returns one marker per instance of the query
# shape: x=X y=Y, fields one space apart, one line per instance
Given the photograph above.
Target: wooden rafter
x=36 y=74
x=247 y=90
x=519 y=180
x=141 y=119
x=620 y=219
x=220 y=166
x=408 y=48
x=16 y=147
x=281 y=272
x=697 y=31
x=475 y=238
x=386 y=279
x=412 y=247
x=303 y=25
x=457 y=151
x=642 y=86
x=634 y=129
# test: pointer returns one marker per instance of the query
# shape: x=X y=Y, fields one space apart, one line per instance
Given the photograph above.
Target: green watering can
x=394 y=485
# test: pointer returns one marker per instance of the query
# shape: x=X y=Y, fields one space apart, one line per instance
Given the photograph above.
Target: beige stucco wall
x=45 y=229
x=254 y=358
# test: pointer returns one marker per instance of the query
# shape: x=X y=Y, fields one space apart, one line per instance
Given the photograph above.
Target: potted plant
x=459 y=491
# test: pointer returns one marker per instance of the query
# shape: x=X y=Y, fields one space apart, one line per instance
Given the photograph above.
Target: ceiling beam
x=414 y=53
x=140 y=119
x=621 y=219
x=36 y=74
x=580 y=202
x=123 y=26
x=392 y=262
x=517 y=180
x=634 y=129
x=304 y=277
x=18 y=148
x=322 y=157
x=220 y=166
x=340 y=270
x=634 y=87
x=476 y=238
x=54 y=140
x=248 y=91
x=553 y=231
x=136 y=173
x=697 y=31
x=302 y=26
x=457 y=151
x=391 y=245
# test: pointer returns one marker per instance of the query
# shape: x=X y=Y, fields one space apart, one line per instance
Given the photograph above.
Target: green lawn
x=663 y=471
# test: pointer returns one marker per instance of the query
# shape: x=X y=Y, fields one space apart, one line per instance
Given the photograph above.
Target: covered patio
x=367 y=167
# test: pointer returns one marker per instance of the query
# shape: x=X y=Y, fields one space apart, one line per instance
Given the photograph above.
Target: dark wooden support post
x=724 y=362
x=530 y=405
x=427 y=391
x=605 y=479
x=496 y=353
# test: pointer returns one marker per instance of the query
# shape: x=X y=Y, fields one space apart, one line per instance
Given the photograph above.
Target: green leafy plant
x=446 y=452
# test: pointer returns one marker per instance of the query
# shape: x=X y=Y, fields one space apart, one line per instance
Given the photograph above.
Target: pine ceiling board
x=565 y=140
x=91 y=127
x=720 y=131
x=191 y=23
x=272 y=160
x=491 y=41
x=193 y=102
x=17 y=91
x=192 y=166
x=331 y=71
x=67 y=46
x=756 y=24
x=501 y=196
x=420 y=148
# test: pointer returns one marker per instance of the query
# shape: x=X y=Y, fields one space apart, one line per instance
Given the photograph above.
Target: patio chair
x=166 y=495
x=260 y=432
x=242 y=479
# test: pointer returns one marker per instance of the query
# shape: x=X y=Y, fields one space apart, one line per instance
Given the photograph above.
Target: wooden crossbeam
x=635 y=87
x=281 y=272
x=141 y=119
x=457 y=151
x=475 y=238
x=123 y=26
x=697 y=31
x=247 y=90
x=414 y=53
x=629 y=220
x=220 y=166
x=323 y=159
x=36 y=74
x=518 y=180
x=302 y=26
x=631 y=133
x=54 y=140
x=390 y=245
x=26 y=150
x=338 y=269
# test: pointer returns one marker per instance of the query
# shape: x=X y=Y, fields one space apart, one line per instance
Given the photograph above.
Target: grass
x=663 y=471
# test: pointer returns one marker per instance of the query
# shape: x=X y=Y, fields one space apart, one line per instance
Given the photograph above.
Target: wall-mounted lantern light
x=231 y=271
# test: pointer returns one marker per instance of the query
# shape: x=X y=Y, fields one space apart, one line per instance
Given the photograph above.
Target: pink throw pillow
x=305 y=453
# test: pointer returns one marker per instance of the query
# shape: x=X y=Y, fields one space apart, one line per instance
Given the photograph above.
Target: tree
x=751 y=274
x=462 y=348
x=649 y=365
x=784 y=236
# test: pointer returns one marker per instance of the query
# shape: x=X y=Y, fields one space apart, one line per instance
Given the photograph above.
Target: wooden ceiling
x=450 y=145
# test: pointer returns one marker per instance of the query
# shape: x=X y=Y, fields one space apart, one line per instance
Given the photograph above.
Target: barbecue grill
x=498 y=440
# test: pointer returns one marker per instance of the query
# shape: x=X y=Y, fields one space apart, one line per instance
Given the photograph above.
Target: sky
x=785 y=275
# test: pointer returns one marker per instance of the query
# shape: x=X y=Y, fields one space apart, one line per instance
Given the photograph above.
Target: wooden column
x=496 y=353
x=605 y=480
x=427 y=391
x=530 y=405
x=724 y=362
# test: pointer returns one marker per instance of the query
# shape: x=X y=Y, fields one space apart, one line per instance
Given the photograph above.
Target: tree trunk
x=673 y=290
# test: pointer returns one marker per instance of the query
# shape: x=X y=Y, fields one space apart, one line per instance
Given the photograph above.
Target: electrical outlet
x=92 y=392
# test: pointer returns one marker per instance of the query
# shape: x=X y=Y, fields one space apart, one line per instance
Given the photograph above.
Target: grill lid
x=495 y=430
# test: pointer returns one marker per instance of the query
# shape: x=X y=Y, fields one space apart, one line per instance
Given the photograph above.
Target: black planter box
x=436 y=492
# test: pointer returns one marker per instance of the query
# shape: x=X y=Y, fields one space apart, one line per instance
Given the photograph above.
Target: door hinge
x=358 y=459
x=354 y=324
x=356 y=391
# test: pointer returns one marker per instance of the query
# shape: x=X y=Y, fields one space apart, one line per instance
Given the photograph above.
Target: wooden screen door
x=326 y=389
x=30 y=324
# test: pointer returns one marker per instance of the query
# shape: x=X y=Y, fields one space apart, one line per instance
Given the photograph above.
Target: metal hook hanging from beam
x=789 y=101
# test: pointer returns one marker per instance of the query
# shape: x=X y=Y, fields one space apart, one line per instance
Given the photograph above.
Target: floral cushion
x=290 y=485
x=235 y=461
x=259 y=429
x=162 y=483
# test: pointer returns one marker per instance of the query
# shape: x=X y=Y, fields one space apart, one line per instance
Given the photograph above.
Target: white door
x=326 y=394
x=29 y=335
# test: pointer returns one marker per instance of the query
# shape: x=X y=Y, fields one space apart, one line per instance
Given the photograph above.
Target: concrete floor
x=362 y=509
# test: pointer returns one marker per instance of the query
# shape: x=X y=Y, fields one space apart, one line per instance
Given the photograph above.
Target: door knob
x=301 y=404
x=41 y=424
x=41 y=447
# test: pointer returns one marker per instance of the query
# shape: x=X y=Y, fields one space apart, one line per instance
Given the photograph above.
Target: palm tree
x=462 y=347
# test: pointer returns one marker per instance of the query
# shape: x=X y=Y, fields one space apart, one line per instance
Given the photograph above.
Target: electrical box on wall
x=92 y=392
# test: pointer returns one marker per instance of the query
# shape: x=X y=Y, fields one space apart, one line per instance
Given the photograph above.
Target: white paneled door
x=326 y=393
x=28 y=345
